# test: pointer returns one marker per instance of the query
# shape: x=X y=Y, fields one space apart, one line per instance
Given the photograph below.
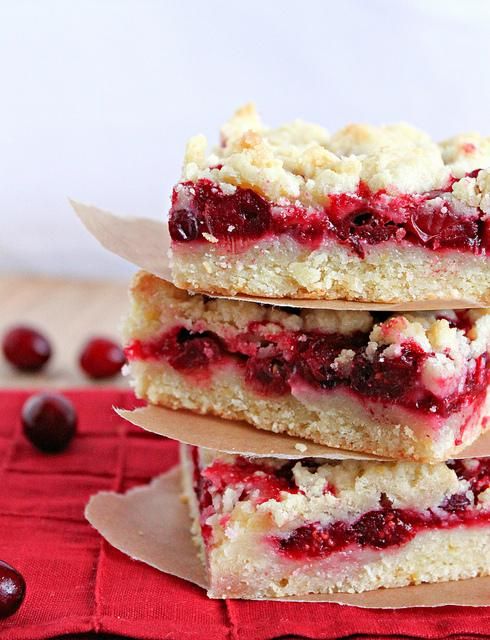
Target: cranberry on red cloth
x=78 y=583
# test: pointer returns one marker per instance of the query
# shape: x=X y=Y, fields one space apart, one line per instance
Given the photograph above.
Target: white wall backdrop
x=97 y=97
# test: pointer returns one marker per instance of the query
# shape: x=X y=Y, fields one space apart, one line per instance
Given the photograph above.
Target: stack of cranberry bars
x=371 y=214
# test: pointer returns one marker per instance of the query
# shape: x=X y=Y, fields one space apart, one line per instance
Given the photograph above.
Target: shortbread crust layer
x=283 y=269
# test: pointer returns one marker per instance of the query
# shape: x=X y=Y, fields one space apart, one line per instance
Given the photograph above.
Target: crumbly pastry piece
x=410 y=386
x=272 y=528
x=377 y=214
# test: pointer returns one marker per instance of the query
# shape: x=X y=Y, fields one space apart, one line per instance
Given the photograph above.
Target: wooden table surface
x=68 y=312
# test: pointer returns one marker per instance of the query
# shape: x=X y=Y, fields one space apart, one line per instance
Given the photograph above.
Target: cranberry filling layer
x=355 y=220
x=380 y=529
x=274 y=362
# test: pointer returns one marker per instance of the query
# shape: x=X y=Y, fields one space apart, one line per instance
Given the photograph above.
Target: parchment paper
x=232 y=436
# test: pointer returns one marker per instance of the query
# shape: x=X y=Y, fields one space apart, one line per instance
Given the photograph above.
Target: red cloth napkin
x=76 y=582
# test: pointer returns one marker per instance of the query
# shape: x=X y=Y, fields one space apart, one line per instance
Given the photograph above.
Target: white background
x=97 y=97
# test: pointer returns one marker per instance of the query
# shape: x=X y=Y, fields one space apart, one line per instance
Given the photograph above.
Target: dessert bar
x=374 y=214
x=401 y=386
x=267 y=527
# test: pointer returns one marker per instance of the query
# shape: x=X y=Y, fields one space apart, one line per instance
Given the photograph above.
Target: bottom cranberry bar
x=269 y=527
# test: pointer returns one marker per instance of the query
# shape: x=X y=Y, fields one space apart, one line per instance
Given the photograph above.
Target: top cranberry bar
x=374 y=214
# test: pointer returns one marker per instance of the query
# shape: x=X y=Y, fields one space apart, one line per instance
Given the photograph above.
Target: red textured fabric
x=77 y=583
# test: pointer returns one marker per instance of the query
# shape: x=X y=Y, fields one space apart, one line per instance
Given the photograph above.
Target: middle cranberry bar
x=402 y=386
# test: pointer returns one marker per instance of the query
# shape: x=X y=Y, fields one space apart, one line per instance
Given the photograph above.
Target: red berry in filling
x=313 y=540
x=317 y=353
x=382 y=529
x=367 y=227
x=49 y=421
x=183 y=226
x=388 y=378
x=243 y=214
x=442 y=229
x=195 y=351
x=268 y=375
x=26 y=348
x=101 y=358
x=12 y=590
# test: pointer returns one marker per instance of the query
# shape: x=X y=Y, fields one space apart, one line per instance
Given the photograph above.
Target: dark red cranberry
x=385 y=528
x=12 y=590
x=243 y=214
x=362 y=227
x=314 y=363
x=436 y=229
x=101 y=358
x=455 y=503
x=49 y=421
x=372 y=228
x=313 y=540
x=254 y=212
x=26 y=348
x=389 y=378
x=183 y=226
x=195 y=351
x=269 y=376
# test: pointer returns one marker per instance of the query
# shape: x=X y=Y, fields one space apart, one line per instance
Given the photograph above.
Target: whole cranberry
x=26 y=348
x=49 y=421
x=196 y=352
x=268 y=376
x=101 y=358
x=183 y=225
x=12 y=590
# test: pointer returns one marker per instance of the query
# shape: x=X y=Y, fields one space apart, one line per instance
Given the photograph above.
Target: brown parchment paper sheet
x=231 y=436
x=152 y=524
x=145 y=243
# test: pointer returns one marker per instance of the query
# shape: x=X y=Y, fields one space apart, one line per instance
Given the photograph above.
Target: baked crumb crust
x=280 y=268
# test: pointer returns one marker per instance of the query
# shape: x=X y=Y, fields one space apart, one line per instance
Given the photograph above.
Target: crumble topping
x=303 y=162
x=329 y=491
